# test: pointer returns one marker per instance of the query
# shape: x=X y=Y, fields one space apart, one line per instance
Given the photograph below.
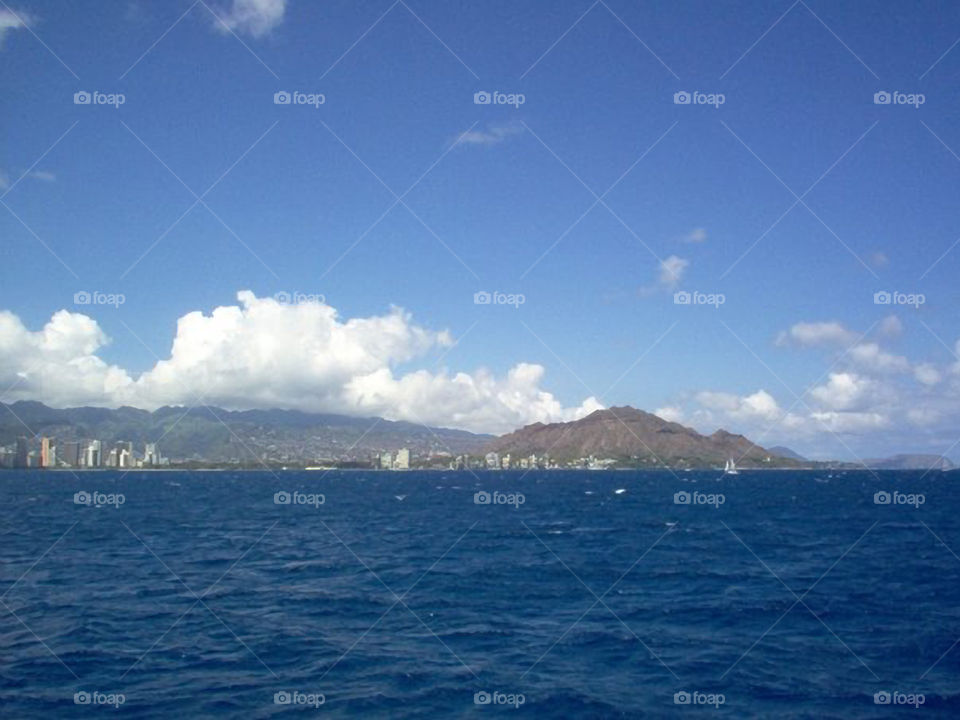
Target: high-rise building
x=20 y=460
x=71 y=453
x=403 y=460
x=150 y=456
x=45 y=452
x=125 y=458
x=386 y=460
x=492 y=461
x=93 y=454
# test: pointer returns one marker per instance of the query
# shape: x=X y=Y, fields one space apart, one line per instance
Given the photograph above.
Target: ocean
x=559 y=594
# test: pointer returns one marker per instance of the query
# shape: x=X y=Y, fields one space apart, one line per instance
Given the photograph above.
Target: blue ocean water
x=429 y=595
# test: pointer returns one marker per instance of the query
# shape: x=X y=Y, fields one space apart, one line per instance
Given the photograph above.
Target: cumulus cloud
x=926 y=374
x=850 y=422
x=890 y=326
x=10 y=20
x=493 y=135
x=879 y=259
x=670 y=413
x=697 y=235
x=871 y=356
x=58 y=362
x=267 y=354
x=845 y=391
x=760 y=405
x=808 y=334
x=43 y=175
x=250 y=17
x=671 y=272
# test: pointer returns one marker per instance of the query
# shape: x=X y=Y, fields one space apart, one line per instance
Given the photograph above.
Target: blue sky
x=295 y=188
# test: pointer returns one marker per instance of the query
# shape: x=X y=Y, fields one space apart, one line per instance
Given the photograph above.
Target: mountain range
x=212 y=434
x=207 y=434
x=635 y=437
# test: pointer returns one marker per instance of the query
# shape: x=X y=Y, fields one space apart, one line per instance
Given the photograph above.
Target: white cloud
x=10 y=20
x=926 y=374
x=262 y=353
x=879 y=259
x=43 y=175
x=670 y=413
x=845 y=391
x=890 y=326
x=59 y=362
x=761 y=405
x=923 y=417
x=850 y=422
x=697 y=235
x=252 y=17
x=817 y=333
x=872 y=357
x=671 y=272
x=491 y=136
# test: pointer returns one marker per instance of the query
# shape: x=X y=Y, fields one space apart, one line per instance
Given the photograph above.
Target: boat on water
x=730 y=468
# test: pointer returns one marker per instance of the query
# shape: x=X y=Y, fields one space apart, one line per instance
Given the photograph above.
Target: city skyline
x=481 y=220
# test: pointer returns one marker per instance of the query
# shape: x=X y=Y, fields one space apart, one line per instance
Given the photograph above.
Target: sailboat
x=730 y=468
